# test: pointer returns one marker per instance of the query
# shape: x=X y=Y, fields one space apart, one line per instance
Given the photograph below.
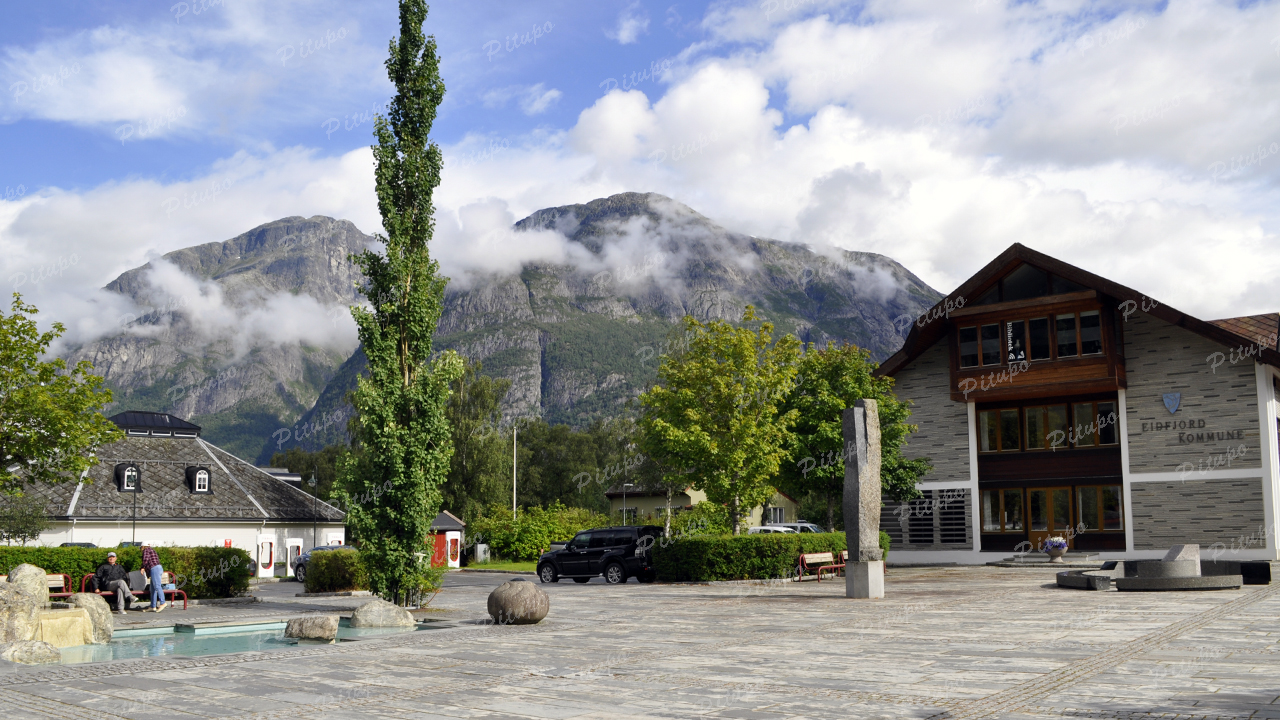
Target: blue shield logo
x=1171 y=402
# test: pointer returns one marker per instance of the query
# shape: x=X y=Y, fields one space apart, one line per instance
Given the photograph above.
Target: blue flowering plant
x=1056 y=542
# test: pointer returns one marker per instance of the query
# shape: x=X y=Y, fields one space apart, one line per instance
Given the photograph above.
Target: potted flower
x=1055 y=546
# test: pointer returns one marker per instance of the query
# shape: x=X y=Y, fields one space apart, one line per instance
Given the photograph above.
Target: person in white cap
x=111 y=577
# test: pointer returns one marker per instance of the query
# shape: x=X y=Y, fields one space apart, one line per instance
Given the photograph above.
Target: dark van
x=615 y=552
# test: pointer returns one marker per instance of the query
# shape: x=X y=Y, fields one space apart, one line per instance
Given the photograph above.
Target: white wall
x=184 y=534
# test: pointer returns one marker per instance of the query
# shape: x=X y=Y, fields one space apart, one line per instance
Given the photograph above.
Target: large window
x=991 y=344
x=1042 y=422
x=1100 y=508
x=1063 y=336
x=998 y=430
x=1039 y=328
x=1002 y=510
x=1095 y=424
x=1066 y=334
x=1090 y=333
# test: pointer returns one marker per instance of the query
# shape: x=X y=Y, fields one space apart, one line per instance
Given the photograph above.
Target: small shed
x=448 y=532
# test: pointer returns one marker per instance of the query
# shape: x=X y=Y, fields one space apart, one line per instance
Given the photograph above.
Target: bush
x=533 y=530
x=745 y=557
x=336 y=571
x=201 y=572
x=705 y=518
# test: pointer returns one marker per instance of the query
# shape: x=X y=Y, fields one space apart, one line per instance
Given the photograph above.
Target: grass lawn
x=530 y=566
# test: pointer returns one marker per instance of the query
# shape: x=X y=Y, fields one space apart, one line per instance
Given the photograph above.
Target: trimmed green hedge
x=201 y=572
x=335 y=571
x=745 y=557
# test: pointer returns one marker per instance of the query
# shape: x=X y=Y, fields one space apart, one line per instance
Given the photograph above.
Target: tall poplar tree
x=401 y=423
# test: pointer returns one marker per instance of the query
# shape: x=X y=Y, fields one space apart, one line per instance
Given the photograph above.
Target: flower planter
x=1055 y=554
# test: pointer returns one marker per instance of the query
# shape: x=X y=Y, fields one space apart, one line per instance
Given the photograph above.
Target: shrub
x=705 y=518
x=336 y=571
x=201 y=572
x=533 y=530
x=745 y=557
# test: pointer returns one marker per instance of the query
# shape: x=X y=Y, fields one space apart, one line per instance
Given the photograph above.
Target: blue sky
x=1134 y=139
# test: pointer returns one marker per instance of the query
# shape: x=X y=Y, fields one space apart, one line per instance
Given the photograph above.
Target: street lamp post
x=314 y=518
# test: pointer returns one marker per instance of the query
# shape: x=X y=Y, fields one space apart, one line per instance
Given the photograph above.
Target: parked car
x=300 y=567
x=769 y=529
x=800 y=527
x=84 y=545
x=615 y=552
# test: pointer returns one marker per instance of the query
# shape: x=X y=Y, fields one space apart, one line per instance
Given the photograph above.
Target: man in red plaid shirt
x=151 y=567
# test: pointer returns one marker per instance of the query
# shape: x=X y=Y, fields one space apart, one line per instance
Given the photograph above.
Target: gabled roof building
x=1053 y=401
x=164 y=484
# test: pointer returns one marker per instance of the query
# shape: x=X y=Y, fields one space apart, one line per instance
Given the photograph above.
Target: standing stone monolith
x=864 y=573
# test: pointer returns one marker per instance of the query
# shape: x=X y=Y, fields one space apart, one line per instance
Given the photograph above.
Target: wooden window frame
x=1097 y=490
x=999 y=433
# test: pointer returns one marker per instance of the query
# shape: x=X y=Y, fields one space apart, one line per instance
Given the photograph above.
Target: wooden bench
x=165 y=579
x=813 y=561
x=835 y=567
x=56 y=581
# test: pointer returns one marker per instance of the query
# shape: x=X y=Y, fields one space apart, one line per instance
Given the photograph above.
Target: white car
x=800 y=527
x=766 y=529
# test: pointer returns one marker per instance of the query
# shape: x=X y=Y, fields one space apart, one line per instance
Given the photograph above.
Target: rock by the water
x=380 y=613
x=30 y=652
x=99 y=615
x=313 y=627
x=518 y=602
x=31 y=580
x=19 y=614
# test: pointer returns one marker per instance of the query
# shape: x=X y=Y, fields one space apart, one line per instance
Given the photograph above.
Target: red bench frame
x=145 y=594
x=835 y=568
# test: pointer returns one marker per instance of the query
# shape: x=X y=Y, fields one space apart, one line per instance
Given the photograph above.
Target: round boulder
x=313 y=627
x=31 y=580
x=19 y=614
x=30 y=652
x=380 y=613
x=518 y=602
x=99 y=615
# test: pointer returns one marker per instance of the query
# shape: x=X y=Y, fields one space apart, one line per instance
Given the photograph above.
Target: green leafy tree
x=715 y=415
x=830 y=381
x=322 y=463
x=480 y=468
x=401 y=424
x=23 y=519
x=51 y=424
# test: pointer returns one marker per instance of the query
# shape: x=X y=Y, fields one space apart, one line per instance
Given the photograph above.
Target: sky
x=1137 y=140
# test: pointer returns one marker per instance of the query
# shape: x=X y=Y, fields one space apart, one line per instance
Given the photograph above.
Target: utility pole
x=314 y=518
x=137 y=488
x=513 y=432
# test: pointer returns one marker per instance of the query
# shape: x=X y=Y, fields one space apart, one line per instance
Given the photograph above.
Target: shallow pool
x=155 y=642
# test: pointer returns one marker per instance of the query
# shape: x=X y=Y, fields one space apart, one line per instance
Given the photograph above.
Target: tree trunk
x=734 y=515
x=667 y=531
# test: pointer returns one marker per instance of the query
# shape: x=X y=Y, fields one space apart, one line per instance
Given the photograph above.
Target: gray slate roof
x=240 y=491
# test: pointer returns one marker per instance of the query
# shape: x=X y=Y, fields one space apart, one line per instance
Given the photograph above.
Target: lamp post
x=314 y=518
x=514 y=432
x=624 y=501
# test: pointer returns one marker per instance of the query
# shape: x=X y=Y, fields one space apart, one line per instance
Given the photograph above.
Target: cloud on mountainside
x=935 y=133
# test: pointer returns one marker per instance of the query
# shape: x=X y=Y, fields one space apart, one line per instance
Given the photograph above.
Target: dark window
x=1090 y=333
x=1015 y=335
x=1099 y=508
x=1025 y=283
x=581 y=541
x=1086 y=428
x=990 y=297
x=1062 y=286
x=968 y=347
x=998 y=431
x=1107 y=422
x=991 y=344
x=601 y=540
x=1009 y=436
x=1066 y=326
x=1039 y=330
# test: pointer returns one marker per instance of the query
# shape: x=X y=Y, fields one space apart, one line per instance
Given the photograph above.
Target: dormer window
x=128 y=478
x=198 y=480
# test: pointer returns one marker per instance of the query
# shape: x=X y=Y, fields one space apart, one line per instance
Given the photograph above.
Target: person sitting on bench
x=112 y=578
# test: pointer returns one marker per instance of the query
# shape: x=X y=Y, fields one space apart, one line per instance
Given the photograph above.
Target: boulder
x=1183 y=552
x=380 y=613
x=99 y=615
x=32 y=581
x=19 y=614
x=313 y=627
x=30 y=652
x=518 y=602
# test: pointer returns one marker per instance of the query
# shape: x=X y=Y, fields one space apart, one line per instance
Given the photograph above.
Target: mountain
x=250 y=338
x=579 y=340
x=239 y=336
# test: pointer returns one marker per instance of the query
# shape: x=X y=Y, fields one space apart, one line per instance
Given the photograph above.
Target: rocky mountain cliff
x=580 y=340
x=259 y=348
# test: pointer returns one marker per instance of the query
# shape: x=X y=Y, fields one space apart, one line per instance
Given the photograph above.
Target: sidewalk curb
x=226 y=601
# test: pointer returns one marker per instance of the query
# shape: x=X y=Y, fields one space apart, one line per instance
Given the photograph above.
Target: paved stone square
x=944 y=643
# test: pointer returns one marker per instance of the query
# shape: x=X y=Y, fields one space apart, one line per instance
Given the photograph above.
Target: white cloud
x=532 y=99
x=632 y=23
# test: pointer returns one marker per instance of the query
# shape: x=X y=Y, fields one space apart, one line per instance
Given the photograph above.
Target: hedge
x=744 y=557
x=202 y=572
x=335 y=571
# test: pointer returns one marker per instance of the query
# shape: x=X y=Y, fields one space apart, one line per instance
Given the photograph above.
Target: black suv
x=615 y=552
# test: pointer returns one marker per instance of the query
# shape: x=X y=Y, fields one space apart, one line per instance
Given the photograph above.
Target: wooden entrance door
x=1049 y=513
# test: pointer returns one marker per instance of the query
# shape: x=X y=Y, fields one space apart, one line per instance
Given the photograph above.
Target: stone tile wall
x=943 y=436
x=1203 y=512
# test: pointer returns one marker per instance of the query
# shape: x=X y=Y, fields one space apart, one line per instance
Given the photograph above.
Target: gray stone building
x=1054 y=402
